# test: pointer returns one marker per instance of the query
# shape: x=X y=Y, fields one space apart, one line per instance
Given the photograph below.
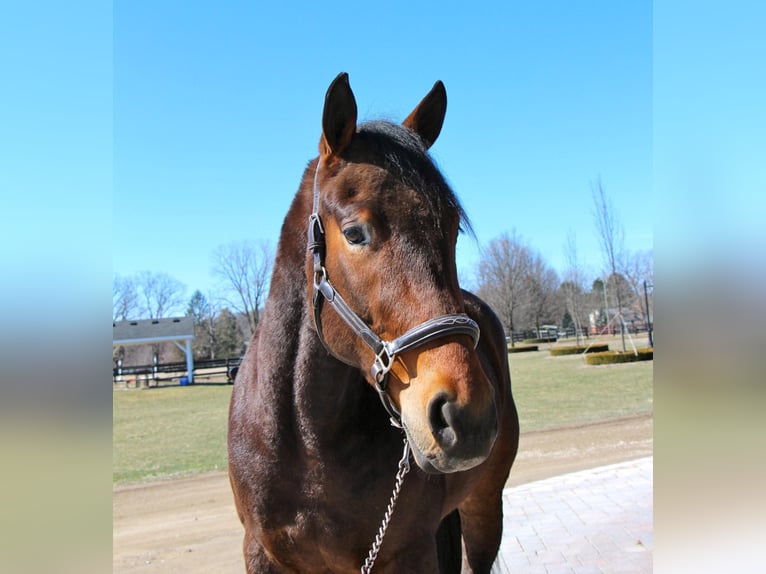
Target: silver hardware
x=404 y=468
x=382 y=364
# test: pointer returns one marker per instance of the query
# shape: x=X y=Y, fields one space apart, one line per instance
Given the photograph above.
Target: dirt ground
x=190 y=526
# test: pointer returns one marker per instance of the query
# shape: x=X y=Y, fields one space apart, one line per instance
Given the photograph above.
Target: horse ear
x=427 y=118
x=338 y=118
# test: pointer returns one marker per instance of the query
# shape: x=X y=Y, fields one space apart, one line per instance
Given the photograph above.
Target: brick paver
x=597 y=521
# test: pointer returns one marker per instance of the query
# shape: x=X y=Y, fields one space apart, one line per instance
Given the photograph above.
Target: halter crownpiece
x=385 y=351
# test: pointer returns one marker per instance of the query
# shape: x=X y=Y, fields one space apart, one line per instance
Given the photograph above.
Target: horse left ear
x=427 y=118
x=338 y=117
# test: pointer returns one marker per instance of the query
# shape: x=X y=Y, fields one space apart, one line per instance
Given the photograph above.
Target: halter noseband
x=385 y=351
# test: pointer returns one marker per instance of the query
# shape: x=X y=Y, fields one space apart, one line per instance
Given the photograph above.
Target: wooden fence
x=211 y=370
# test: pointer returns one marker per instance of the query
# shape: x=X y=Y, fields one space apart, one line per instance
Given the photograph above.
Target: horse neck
x=325 y=398
x=325 y=401
x=332 y=400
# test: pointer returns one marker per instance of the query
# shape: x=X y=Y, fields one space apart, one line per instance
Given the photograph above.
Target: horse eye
x=355 y=235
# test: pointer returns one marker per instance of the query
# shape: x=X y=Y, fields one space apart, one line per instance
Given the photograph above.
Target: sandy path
x=189 y=526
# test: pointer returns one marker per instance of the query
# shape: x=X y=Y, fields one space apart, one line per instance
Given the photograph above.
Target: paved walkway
x=596 y=521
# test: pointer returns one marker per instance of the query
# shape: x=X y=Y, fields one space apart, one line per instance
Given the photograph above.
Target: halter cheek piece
x=385 y=351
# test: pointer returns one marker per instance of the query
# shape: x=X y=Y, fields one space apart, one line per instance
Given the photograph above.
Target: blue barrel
x=184 y=381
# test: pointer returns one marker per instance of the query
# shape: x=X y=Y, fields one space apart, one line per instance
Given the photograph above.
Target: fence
x=210 y=369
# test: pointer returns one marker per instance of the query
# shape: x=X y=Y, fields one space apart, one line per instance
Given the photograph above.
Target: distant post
x=189 y=361
x=648 y=318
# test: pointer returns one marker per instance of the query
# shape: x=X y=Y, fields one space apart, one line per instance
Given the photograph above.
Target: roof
x=152 y=330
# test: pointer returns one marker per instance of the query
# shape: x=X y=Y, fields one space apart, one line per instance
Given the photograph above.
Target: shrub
x=611 y=357
x=542 y=340
x=574 y=350
x=522 y=349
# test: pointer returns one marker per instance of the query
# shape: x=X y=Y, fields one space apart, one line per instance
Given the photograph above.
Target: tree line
x=513 y=278
x=224 y=321
x=527 y=293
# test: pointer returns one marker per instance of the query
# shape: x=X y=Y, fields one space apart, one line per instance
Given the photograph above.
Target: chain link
x=404 y=468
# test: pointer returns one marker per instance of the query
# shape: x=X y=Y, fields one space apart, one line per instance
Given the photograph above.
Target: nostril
x=439 y=414
x=436 y=413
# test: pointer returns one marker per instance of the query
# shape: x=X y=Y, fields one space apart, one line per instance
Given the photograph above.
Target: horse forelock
x=404 y=154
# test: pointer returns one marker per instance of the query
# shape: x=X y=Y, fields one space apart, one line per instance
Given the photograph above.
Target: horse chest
x=329 y=515
x=314 y=496
x=314 y=529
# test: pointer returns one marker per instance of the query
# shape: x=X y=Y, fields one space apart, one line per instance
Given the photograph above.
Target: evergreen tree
x=229 y=342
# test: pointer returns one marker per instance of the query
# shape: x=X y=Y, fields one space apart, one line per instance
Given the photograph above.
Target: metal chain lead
x=404 y=468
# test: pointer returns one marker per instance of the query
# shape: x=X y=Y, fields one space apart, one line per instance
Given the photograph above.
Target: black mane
x=405 y=154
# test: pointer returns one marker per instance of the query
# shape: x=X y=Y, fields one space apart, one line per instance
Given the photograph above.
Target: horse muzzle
x=450 y=421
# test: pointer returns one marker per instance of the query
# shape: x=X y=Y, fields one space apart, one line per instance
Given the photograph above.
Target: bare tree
x=503 y=268
x=573 y=286
x=639 y=268
x=205 y=312
x=541 y=284
x=146 y=295
x=638 y=271
x=611 y=237
x=244 y=268
x=124 y=298
x=597 y=300
x=160 y=295
x=124 y=306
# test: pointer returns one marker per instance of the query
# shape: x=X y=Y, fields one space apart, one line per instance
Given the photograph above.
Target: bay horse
x=369 y=353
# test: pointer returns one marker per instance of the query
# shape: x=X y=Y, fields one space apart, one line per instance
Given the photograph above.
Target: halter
x=385 y=351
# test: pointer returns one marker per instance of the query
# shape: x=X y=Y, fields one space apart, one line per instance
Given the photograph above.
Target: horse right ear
x=338 y=117
x=427 y=118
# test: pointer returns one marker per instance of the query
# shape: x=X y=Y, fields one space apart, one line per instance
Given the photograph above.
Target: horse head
x=389 y=224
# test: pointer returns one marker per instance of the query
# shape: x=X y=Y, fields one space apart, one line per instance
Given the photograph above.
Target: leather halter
x=385 y=351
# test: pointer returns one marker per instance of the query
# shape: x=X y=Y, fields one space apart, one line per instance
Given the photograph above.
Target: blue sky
x=140 y=136
x=217 y=109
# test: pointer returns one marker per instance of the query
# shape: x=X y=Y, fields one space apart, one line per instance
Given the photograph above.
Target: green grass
x=169 y=432
x=558 y=391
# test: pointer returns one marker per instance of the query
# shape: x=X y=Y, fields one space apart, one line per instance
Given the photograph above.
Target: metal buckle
x=381 y=366
x=318 y=231
x=320 y=277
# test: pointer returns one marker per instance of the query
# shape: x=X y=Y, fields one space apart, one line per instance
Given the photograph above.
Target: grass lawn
x=557 y=391
x=168 y=432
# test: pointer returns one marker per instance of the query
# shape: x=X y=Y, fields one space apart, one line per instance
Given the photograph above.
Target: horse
x=369 y=357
